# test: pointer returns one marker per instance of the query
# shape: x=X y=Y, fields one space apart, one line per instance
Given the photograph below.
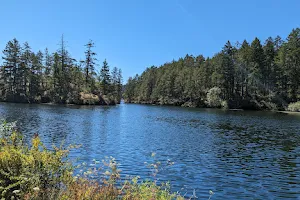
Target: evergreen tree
x=90 y=62
x=105 y=78
x=293 y=64
x=47 y=72
x=12 y=67
x=35 y=75
x=257 y=69
x=270 y=69
x=26 y=76
x=119 y=85
x=252 y=76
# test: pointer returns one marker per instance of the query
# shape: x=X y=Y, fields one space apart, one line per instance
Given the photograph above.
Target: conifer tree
x=105 y=78
x=90 y=62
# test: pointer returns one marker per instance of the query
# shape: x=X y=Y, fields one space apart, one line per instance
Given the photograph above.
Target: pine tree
x=119 y=85
x=293 y=64
x=114 y=80
x=228 y=70
x=36 y=75
x=105 y=78
x=12 y=66
x=270 y=69
x=66 y=63
x=90 y=62
x=48 y=62
x=258 y=72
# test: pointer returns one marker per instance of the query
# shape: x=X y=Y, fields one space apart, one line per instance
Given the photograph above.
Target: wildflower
x=36 y=189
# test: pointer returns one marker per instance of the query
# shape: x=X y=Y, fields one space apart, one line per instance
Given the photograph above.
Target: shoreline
x=231 y=109
x=58 y=104
x=289 y=112
x=228 y=109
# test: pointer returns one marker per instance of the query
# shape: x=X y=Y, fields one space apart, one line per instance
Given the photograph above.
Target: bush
x=294 y=107
x=224 y=105
x=88 y=99
x=213 y=98
x=269 y=105
x=27 y=172
x=108 y=100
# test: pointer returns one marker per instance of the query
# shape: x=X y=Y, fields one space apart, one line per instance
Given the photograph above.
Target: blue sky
x=135 y=34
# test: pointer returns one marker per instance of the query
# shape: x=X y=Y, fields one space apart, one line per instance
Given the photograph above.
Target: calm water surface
x=238 y=155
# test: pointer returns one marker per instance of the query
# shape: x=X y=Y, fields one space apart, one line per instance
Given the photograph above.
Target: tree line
x=245 y=75
x=34 y=77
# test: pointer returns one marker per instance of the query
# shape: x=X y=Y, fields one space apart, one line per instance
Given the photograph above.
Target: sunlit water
x=236 y=154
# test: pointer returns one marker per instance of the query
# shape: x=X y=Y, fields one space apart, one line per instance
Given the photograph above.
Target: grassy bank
x=36 y=172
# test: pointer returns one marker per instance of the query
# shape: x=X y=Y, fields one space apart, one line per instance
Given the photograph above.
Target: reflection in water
x=238 y=155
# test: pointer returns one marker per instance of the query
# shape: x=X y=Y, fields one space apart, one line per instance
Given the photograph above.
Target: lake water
x=236 y=154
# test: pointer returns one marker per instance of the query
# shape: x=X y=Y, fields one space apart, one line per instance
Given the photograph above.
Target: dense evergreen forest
x=43 y=77
x=245 y=75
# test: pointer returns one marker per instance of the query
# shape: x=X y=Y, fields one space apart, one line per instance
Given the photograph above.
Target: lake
x=236 y=154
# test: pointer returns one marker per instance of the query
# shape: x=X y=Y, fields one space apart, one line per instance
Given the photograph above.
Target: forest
x=257 y=75
x=44 y=77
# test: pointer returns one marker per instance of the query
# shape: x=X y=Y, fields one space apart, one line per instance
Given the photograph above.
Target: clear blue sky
x=135 y=34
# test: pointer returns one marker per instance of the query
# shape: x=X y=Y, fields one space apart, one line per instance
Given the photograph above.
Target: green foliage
x=30 y=77
x=30 y=171
x=148 y=190
x=105 y=78
x=213 y=97
x=294 y=107
x=250 y=76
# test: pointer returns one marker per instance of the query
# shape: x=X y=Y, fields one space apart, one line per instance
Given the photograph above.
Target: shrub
x=108 y=100
x=294 y=107
x=88 y=98
x=148 y=190
x=269 y=105
x=27 y=171
x=87 y=189
x=213 y=97
x=224 y=105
